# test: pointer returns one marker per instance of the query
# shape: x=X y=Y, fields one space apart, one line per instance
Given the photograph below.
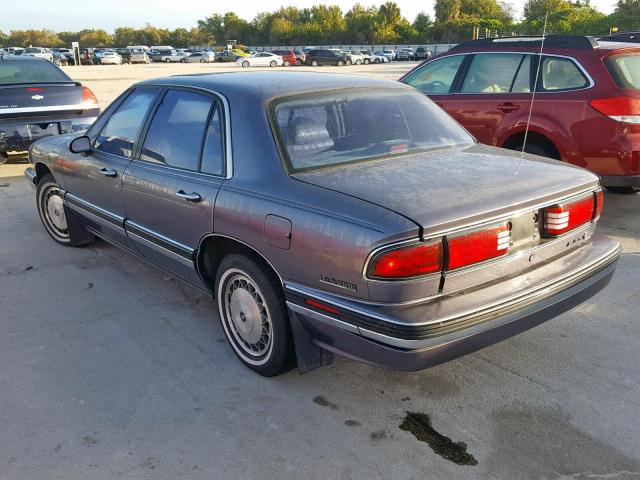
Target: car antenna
x=533 y=94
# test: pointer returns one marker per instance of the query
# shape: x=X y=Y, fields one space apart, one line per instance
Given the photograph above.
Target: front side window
x=558 y=73
x=123 y=127
x=176 y=132
x=343 y=127
x=491 y=73
x=436 y=77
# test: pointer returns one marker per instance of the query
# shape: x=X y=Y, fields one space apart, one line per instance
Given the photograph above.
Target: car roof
x=272 y=84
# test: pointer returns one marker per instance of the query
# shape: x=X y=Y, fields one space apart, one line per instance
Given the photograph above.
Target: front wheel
x=167 y=60
x=245 y=64
x=202 y=60
x=298 y=62
x=358 y=62
x=253 y=315
x=53 y=215
x=340 y=63
x=314 y=63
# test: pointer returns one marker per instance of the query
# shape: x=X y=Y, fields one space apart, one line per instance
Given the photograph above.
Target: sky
x=73 y=15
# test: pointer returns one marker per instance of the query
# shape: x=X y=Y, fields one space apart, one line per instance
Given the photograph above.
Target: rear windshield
x=341 y=127
x=30 y=72
x=625 y=70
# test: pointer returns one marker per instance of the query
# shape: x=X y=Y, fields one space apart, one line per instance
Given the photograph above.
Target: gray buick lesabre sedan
x=325 y=223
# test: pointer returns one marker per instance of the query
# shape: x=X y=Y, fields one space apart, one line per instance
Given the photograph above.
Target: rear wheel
x=253 y=315
x=537 y=149
x=273 y=63
x=624 y=190
x=298 y=62
x=340 y=63
x=245 y=64
x=53 y=216
x=202 y=60
x=167 y=60
x=358 y=62
x=314 y=63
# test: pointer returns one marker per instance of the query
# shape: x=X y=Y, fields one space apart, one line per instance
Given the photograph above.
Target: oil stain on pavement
x=419 y=424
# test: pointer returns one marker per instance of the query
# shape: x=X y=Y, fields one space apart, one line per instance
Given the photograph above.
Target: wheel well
x=532 y=137
x=214 y=248
x=42 y=170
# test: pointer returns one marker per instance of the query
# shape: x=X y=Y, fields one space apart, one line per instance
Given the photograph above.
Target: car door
x=494 y=94
x=171 y=186
x=95 y=190
x=437 y=79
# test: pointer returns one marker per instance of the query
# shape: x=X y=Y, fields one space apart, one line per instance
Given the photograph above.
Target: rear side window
x=625 y=70
x=26 y=71
x=122 y=129
x=213 y=151
x=177 y=130
x=557 y=74
x=491 y=73
x=437 y=76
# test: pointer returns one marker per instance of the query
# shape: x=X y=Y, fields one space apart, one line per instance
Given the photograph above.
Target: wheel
x=537 y=149
x=253 y=315
x=340 y=63
x=273 y=63
x=298 y=62
x=378 y=60
x=52 y=214
x=348 y=62
x=219 y=60
x=366 y=61
x=358 y=62
x=99 y=61
x=202 y=60
x=245 y=64
x=624 y=190
x=167 y=60
x=314 y=63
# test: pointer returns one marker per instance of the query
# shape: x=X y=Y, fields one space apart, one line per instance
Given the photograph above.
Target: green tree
x=180 y=37
x=360 y=23
x=423 y=26
x=95 y=38
x=626 y=16
x=447 y=11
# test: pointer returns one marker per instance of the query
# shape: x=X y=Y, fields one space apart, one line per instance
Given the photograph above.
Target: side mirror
x=80 y=145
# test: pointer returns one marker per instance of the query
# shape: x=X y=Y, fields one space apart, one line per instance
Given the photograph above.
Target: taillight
x=599 y=204
x=620 y=109
x=478 y=246
x=407 y=262
x=88 y=98
x=559 y=219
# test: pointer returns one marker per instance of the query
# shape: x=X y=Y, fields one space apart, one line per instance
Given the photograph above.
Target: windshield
x=334 y=128
x=625 y=70
x=30 y=72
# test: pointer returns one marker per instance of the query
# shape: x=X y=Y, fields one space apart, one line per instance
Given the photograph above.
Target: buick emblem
x=37 y=97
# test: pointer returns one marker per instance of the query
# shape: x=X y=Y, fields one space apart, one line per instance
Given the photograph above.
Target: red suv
x=288 y=56
x=587 y=102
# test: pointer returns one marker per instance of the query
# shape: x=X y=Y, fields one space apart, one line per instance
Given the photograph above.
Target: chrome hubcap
x=55 y=211
x=249 y=318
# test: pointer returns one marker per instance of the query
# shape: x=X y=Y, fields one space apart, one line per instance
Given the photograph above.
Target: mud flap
x=308 y=355
x=78 y=235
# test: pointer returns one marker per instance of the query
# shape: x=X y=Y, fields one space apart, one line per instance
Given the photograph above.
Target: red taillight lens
x=478 y=246
x=620 y=109
x=599 y=204
x=560 y=219
x=88 y=97
x=34 y=89
x=408 y=262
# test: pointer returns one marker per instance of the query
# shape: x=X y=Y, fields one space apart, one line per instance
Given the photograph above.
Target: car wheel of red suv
x=537 y=149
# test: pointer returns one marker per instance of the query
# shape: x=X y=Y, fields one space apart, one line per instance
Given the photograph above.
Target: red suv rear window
x=625 y=70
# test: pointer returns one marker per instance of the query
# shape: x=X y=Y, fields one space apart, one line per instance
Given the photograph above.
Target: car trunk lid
x=40 y=98
x=449 y=189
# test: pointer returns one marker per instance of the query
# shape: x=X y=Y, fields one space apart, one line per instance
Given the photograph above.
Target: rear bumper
x=620 y=180
x=365 y=335
x=17 y=134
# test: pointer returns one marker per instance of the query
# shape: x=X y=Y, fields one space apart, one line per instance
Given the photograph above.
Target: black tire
x=202 y=60
x=314 y=63
x=298 y=62
x=57 y=222
x=366 y=61
x=245 y=64
x=273 y=63
x=624 y=190
x=340 y=63
x=258 y=291
x=537 y=149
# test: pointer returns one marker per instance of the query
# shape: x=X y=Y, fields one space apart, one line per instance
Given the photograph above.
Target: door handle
x=508 y=107
x=189 y=197
x=108 y=172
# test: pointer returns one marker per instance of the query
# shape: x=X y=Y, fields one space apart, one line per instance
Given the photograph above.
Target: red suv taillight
x=559 y=219
x=478 y=246
x=407 y=262
x=88 y=98
x=620 y=109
